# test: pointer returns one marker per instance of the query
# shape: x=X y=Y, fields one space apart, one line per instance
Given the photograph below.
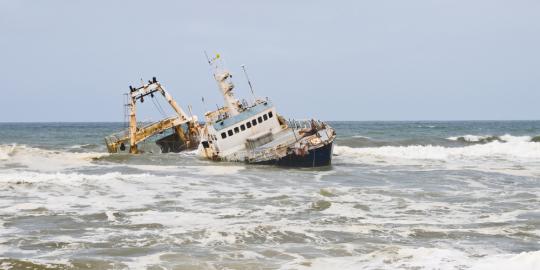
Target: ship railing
x=118 y=136
x=257 y=155
x=304 y=123
x=124 y=134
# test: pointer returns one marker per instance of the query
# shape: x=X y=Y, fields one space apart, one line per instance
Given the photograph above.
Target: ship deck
x=285 y=137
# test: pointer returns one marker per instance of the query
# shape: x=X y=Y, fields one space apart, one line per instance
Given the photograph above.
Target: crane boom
x=134 y=134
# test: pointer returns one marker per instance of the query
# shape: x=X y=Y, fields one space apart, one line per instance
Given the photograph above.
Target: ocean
x=399 y=195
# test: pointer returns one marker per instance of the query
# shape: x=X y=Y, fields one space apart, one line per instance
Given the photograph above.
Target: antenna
x=207 y=58
x=204 y=105
x=190 y=111
x=249 y=82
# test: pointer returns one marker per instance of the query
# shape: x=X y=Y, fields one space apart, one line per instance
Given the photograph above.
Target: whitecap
x=516 y=158
x=6 y=151
x=470 y=138
x=487 y=138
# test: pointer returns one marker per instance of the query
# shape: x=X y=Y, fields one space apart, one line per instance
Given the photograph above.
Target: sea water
x=399 y=195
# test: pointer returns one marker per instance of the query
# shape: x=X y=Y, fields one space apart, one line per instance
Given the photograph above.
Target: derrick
x=185 y=128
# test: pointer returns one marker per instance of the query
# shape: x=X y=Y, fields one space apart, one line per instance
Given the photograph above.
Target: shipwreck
x=239 y=131
x=184 y=129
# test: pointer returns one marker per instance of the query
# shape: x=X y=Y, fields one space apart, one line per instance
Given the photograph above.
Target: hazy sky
x=335 y=60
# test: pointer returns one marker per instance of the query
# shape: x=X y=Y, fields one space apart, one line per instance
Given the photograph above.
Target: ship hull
x=318 y=157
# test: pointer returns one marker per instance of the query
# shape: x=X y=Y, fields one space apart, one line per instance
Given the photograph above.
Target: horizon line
x=454 y=120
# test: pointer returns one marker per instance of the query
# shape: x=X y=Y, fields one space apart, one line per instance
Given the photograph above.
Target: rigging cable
x=159 y=108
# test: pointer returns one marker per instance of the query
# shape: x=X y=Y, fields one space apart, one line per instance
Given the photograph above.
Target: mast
x=223 y=79
x=249 y=82
x=136 y=134
x=132 y=124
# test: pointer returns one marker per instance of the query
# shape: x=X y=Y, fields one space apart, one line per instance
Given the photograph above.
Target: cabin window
x=260 y=119
x=265 y=117
x=242 y=127
x=223 y=135
x=270 y=114
x=254 y=122
x=205 y=144
x=230 y=132
x=236 y=130
x=248 y=124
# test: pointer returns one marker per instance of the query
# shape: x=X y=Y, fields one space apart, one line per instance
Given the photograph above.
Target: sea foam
x=45 y=160
x=421 y=258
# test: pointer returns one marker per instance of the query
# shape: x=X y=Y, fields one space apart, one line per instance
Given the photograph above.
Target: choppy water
x=400 y=195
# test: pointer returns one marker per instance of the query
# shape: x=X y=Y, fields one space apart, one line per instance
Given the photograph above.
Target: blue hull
x=319 y=157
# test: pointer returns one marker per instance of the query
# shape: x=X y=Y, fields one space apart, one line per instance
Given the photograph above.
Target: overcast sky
x=334 y=60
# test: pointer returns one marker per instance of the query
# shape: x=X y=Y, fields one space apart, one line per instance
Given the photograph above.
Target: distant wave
x=84 y=146
x=360 y=141
x=361 y=137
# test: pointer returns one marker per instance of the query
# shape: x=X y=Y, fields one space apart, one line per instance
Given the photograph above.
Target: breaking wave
x=6 y=151
x=513 y=158
x=527 y=150
x=43 y=159
x=492 y=138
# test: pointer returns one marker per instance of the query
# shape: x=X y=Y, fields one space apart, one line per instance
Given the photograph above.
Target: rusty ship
x=177 y=133
x=239 y=131
x=255 y=133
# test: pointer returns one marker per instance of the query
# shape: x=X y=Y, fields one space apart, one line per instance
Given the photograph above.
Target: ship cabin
x=250 y=128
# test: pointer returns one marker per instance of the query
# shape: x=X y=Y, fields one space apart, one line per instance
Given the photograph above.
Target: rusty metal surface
x=135 y=134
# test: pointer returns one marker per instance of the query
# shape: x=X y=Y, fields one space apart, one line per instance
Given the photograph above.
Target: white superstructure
x=255 y=133
x=237 y=127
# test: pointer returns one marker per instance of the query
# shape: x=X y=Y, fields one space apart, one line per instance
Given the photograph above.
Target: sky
x=73 y=60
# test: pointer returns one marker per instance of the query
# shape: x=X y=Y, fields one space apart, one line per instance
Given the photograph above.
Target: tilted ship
x=256 y=133
x=181 y=130
x=237 y=132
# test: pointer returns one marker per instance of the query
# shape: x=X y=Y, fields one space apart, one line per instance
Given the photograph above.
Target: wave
x=84 y=146
x=361 y=137
x=514 y=158
x=494 y=149
x=424 y=140
x=43 y=159
x=6 y=151
x=492 y=138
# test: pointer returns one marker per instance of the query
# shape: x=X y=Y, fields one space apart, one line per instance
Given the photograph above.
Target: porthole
x=254 y=122
x=236 y=130
x=270 y=115
x=248 y=124
x=223 y=135
x=259 y=119
x=230 y=132
x=242 y=127
x=265 y=117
